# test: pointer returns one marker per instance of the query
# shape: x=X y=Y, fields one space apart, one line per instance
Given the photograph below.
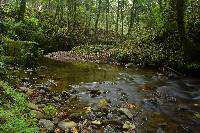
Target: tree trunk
x=98 y=15
x=180 y=16
x=22 y=10
x=107 y=14
x=122 y=17
x=117 y=21
x=132 y=17
x=180 y=9
x=74 y=13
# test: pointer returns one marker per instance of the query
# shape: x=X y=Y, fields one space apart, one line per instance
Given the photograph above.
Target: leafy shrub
x=50 y=110
x=26 y=53
x=14 y=114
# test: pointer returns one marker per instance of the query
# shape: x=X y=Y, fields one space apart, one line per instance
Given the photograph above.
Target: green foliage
x=50 y=110
x=197 y=115
x=193 y=66
x=14 y=114
x=26 y=53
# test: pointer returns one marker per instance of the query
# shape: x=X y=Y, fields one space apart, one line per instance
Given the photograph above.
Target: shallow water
x=171 y=103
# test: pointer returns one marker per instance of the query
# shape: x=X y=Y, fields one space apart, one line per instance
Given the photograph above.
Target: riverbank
x=99 y=97
x=110 y=54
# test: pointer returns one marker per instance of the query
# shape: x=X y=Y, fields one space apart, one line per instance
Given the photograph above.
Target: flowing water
x=167 y=105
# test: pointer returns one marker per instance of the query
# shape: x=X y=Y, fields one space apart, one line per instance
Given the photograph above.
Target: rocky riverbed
x=83 y=97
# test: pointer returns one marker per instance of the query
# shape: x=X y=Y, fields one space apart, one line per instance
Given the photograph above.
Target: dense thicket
x=155 y=30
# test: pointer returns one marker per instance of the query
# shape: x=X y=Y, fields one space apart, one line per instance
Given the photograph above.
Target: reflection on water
x=173 y=102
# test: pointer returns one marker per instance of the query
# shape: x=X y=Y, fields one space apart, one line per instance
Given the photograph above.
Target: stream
x=108 y=98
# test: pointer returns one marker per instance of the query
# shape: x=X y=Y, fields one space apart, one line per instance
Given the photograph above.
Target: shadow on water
x=168 y=105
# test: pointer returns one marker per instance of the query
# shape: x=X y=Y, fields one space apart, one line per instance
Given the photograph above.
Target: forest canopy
x=148 y=31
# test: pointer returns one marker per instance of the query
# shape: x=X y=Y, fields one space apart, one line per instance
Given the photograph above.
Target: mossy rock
x=13 y=48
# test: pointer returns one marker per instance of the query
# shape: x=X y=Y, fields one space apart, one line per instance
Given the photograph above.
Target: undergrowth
x=14 y=114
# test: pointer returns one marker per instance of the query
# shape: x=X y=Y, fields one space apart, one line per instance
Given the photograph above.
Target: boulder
x=24 y=89
x=47 y=124
x=96 y=122
x=66 y=124
x=128 y=125
x=127 y=112
x=33 y=106
x=37 y=114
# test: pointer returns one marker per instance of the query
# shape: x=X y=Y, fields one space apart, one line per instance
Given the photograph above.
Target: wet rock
x=43 y=130
x=62 y=115
x=43 y=68
x=47 y=124
x=41 y=105
x=147 y=87
x=56 y=98
x=41 y=86
x=66 y=124
x=116 y=122
x=105 y=92
x=55 y=120
x=127 y=125
x=182 y=108
x=33 y=106
x=127 y=112
x=94 y=93
x=108 y=129
x=38 y=99
x=160 y=130
x=172 y=76
x=85 y=131
x=37 y=114
x=29 y=93
x=77 y=117
x=163 y=125
x=41 y=76
x=101 y=111
x=171 y=99
x=153 y=101
x=57 y=130
x=130 y=65
x=112 y=116
x=42 y=91
x=103 y=103
x=96 y=122
x=25 y=80
x=24 y=89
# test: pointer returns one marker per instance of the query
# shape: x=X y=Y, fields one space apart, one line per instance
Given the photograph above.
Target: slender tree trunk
x=132 y=17
x=107 y=14
x=22 y=10
x=180 y=9
x=74 y=13
x=57 y=11
x=117 y=21
x=98 y=14
x=122 y=18
x=180 y=16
